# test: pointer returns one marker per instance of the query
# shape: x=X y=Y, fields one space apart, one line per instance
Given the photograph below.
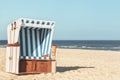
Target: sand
x=74 y=64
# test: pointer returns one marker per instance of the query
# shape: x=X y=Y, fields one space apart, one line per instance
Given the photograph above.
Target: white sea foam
x=2 y=46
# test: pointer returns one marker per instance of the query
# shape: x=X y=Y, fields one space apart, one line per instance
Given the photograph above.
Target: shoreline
x=83 y=49
x=90 y=49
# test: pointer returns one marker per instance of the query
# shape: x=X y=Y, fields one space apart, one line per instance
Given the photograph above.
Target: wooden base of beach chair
x=37 y=66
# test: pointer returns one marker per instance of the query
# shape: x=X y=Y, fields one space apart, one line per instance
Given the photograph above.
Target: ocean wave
x=116 y=47
x=91 y=48
x=2 y=46
x=67 y=46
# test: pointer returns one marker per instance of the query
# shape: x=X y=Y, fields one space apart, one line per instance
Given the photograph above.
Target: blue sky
x=75 y=19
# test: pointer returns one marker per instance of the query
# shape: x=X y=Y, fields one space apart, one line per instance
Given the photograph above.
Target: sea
x=113 y=45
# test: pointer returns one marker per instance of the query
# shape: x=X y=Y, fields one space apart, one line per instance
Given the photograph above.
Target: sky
x=75 y=19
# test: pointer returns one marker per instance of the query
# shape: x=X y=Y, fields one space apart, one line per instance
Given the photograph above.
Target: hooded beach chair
x=29 y=48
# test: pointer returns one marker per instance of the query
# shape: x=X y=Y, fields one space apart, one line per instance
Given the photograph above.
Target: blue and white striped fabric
x=35 y=42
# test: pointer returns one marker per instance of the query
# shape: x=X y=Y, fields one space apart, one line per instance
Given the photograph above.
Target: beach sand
x=74 y=64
